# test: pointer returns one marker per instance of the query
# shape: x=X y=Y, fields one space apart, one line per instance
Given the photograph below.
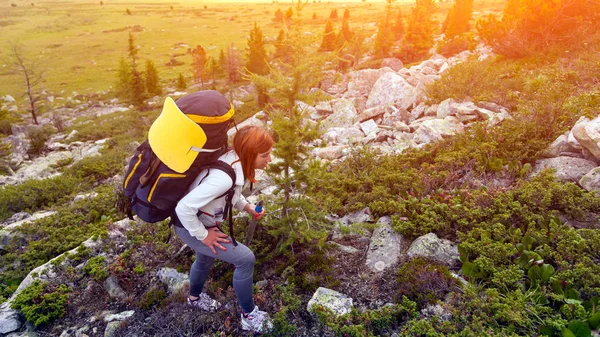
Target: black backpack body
x=151 y=184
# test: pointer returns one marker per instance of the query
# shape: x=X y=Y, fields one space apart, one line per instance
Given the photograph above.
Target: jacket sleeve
x=214 y=185
x=241 y=203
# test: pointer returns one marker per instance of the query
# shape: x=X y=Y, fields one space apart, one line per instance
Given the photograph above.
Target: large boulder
x=591 y=181
x=338 y=303
x=588 y=135
x=431 y=247
x=344 y=114
x=385 y=247
x=566 y=169
x=361 y=82
x=436 y=129
x=392 y=88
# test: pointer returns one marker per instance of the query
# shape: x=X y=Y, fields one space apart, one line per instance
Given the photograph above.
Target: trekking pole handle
x=258 y=208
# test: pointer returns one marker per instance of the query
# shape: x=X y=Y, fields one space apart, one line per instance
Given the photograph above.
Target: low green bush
x=41 y=302
x=424 y=281
x=35 y=194
x=96 y=268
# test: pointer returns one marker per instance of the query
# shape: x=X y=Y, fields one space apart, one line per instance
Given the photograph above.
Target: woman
x=201 y=210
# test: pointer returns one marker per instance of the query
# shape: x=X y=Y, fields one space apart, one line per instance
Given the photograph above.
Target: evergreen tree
x=333 y=15
x=136 y=86
x=288 y=15
x=298 y=219
x=256 y=53
x=347 y=14
x=385 y=36
x=345 y=31
x=282 y=49
x=152 y=81
x=457 y=20
x=314 y=16
x=399 y=26
x=198 y=63
x=329 y=39
x=181 y=83
x=222 y=60
x=124 y=78
x=419 y=32
x=232 y=69
x=212 y=68
x=278 y=16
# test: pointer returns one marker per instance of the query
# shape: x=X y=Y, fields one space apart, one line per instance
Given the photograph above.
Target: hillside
x=430 y=195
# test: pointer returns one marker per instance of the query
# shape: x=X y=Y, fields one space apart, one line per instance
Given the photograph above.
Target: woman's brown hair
x=248 y=143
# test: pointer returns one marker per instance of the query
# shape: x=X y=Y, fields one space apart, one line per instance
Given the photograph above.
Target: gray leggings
x=240 y=256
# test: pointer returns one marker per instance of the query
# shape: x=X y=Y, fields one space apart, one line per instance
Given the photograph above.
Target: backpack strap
x=228 y=211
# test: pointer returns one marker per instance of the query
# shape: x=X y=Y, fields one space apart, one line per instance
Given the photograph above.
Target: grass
x=81 y=42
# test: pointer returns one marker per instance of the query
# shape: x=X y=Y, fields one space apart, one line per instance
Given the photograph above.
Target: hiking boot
x=204 y=302
x=257 y=321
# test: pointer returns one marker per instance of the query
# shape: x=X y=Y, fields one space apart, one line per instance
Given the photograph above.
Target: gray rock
x=173 y=279
x=10 y=320
x=343 y=248
x=393 y=63
x=120 y=316
x=113 y=288
x=566 y=168
x=588 y=135
x=337 y=302
x=344 y=114
x=385 y=246
x=392 y=88
x=111 y=328
x=436 y=129
x=431 y=247
x=591 y=181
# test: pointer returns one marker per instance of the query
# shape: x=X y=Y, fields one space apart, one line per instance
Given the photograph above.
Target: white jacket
x=198 y=208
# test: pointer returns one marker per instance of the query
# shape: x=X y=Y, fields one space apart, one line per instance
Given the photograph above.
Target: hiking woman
x=200 y=212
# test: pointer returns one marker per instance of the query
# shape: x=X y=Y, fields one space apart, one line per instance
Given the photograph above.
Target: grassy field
x=80 y=42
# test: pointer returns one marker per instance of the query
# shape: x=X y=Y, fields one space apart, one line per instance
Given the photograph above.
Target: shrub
x=457 y=44
x=37 y=137
x=42 y=303
x=425 y=281
x=96 y=267
x=35 y=194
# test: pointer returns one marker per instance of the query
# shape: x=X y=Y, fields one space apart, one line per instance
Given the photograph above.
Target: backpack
x=188 y=136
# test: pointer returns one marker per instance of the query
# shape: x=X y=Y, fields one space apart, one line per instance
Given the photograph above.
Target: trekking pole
x=253 y=223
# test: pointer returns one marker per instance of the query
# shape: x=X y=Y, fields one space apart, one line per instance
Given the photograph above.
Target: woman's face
x=262 y=160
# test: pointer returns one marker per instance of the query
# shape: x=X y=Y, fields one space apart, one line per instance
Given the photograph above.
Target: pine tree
x=314 y=16
x=288 y=15
x=333 y=15
x=345 y=31
x=457 y=20
x=232 y=68
x=256 y=52
x=297 y=221
x=278 y=16
x=136 y=87
x=212 y=69
x=222 y=60
x=282 y=50
x=399 y=26
x=329 y=39
x=419 y=32
x=198 y=63
x=124 y=78
x=152 y=81
x=347 y=14
x=385 y=36
x=181 y=83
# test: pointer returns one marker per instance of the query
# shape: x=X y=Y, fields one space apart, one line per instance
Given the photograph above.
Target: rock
x=588 y=135
x=393 y=63
x=343 y=248
x=114 y=290
x=436 y=129
x=173 y=279
x=8 y=99
x=338 y=303
x=392 y=88
x=567 y=169
x=344 y=114
x=436 y=310
x=385 y=246
x=10 y=320
x=591 y=181
x=305 y=108
x=371 y=113
x=446 y=108
x=360 y=83
x=35 y=216
x=369 y=127
x=120 y=316
x=16 y=217
x=431 y=247
x=111 y=328
x=324 y=108
x=331 y=152
x=255 y=120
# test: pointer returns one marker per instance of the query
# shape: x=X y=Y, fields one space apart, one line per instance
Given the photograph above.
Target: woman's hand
x=255 y=215
x=213 y=238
